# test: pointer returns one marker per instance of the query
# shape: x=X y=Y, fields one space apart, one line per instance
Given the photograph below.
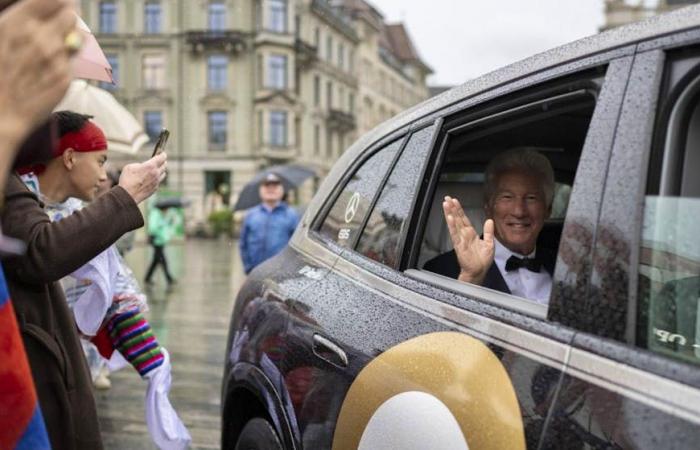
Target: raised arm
x=55 y=249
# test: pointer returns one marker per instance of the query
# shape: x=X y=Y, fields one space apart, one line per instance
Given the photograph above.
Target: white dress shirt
x=525 y=283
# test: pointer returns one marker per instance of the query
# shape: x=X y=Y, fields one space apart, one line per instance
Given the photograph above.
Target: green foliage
x=221 y=222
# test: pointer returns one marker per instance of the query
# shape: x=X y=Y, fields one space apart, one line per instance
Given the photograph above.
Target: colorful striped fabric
x=21 y=424
x=131 y=334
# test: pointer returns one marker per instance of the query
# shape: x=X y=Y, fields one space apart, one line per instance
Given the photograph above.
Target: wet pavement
x=191 y=321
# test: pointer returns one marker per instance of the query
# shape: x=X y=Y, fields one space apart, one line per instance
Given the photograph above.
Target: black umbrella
x=292 y=175
x=171 y=202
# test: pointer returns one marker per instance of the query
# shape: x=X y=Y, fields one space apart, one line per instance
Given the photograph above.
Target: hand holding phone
x=160 y=143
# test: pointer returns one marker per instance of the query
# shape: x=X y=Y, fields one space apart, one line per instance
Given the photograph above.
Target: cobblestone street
x=191 y=321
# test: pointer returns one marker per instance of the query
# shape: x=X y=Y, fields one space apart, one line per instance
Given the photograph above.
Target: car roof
x=654 y=27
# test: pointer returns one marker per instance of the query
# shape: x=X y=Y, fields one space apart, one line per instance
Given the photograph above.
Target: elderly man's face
x=518 y=208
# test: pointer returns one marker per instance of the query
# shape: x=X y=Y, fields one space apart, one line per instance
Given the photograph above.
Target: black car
x=345 y=340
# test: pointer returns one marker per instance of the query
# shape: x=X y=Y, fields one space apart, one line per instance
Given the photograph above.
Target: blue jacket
x=265 y=233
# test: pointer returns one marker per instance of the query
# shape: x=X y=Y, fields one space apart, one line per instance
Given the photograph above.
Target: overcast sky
x=462 y=39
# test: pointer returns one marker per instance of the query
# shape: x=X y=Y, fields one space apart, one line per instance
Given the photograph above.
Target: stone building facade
x=622 y=12
x=244 y=84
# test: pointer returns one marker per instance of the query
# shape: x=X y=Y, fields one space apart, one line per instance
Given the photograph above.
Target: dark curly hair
x=69 y=121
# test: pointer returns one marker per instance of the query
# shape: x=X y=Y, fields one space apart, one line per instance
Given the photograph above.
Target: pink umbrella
x=90 y=62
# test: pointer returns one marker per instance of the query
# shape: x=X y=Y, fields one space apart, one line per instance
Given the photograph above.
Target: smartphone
x=160 y=143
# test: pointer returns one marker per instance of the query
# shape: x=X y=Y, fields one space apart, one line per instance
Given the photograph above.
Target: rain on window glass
x=352 y=205
x=669 y=259
x=381 y=237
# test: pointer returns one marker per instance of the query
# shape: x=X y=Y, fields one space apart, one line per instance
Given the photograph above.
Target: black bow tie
x=531 y=264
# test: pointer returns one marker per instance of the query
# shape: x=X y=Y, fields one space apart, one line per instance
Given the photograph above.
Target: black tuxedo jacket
x=446 y=264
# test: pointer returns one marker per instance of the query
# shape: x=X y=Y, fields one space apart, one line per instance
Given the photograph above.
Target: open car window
x=555 y=127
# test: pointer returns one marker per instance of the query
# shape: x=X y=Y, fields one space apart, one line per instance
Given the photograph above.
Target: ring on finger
x=73 y=42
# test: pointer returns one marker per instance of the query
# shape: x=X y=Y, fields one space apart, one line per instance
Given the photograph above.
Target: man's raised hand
x=474 y=254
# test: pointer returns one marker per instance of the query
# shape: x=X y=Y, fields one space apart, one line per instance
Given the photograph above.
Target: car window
x=348 y=213
x=381 y=236
x=555 y=127
x=669 y=261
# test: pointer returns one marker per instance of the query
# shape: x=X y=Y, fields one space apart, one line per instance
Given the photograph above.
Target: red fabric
x=103 y=343
x=17 y=396
x=90 y=138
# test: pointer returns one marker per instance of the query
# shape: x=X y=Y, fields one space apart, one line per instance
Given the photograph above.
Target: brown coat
x=54 y=250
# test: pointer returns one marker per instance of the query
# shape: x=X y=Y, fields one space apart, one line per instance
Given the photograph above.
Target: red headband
x=89 y=138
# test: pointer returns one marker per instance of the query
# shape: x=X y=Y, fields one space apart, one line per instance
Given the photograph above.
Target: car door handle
x=329 y=351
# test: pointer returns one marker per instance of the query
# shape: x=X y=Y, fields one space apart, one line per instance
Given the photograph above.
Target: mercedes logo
x=351 y=208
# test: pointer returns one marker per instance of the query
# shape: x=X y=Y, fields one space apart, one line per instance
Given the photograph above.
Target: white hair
x=520 y=159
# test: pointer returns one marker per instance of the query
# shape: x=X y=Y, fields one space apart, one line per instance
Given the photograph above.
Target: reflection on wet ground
x=191 y=321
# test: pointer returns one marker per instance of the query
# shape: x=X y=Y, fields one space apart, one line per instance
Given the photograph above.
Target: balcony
x=307 y=54
x=233 y=42
x=340 y=121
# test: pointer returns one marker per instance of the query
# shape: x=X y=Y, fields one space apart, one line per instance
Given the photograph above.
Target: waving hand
x=475 y=255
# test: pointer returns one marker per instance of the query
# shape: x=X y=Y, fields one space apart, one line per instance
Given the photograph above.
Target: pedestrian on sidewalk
x=161 y=228
x=268 y=226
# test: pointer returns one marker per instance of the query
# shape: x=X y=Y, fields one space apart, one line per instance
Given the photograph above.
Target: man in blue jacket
x=268 y=226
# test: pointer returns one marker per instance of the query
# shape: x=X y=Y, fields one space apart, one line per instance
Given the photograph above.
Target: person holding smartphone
x=56 y=249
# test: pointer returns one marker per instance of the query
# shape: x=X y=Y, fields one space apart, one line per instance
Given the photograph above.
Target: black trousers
x=158 y=260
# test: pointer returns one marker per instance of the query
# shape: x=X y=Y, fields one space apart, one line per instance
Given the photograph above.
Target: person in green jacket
x=161 y=227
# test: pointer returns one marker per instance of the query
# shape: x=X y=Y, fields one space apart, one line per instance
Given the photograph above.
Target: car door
x=258 y=343
x=317 y=371
x=400 y=354
x=633 y=375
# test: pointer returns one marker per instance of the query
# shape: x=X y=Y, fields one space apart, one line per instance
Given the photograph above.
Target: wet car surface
x=345 y=340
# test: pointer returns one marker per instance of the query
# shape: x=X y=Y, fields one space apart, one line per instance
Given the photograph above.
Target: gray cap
x=271 y=178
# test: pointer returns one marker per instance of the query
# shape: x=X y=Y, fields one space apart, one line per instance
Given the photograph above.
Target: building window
x=216 y=72
x=317 y=90
x=152 y=16
x=329 y=143
x=113 y=60
x=108 y=17
x=317 y=40
x=261 y=134
x=329 y=48
x=341 y=56
x=278 y=15
x=317 y=139
x=153 y=123
x=153 y=71
x=329 y=95
x=217 y=15
x=278 y=128
x=351 y=103
x=217 y=130
x=277 y=72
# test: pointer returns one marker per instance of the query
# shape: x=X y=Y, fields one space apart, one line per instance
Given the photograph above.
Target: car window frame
x=421 y=180
x=673 y=84
x=560 y=330
x=518 y=101
x=379 y=145
x=649 y=59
